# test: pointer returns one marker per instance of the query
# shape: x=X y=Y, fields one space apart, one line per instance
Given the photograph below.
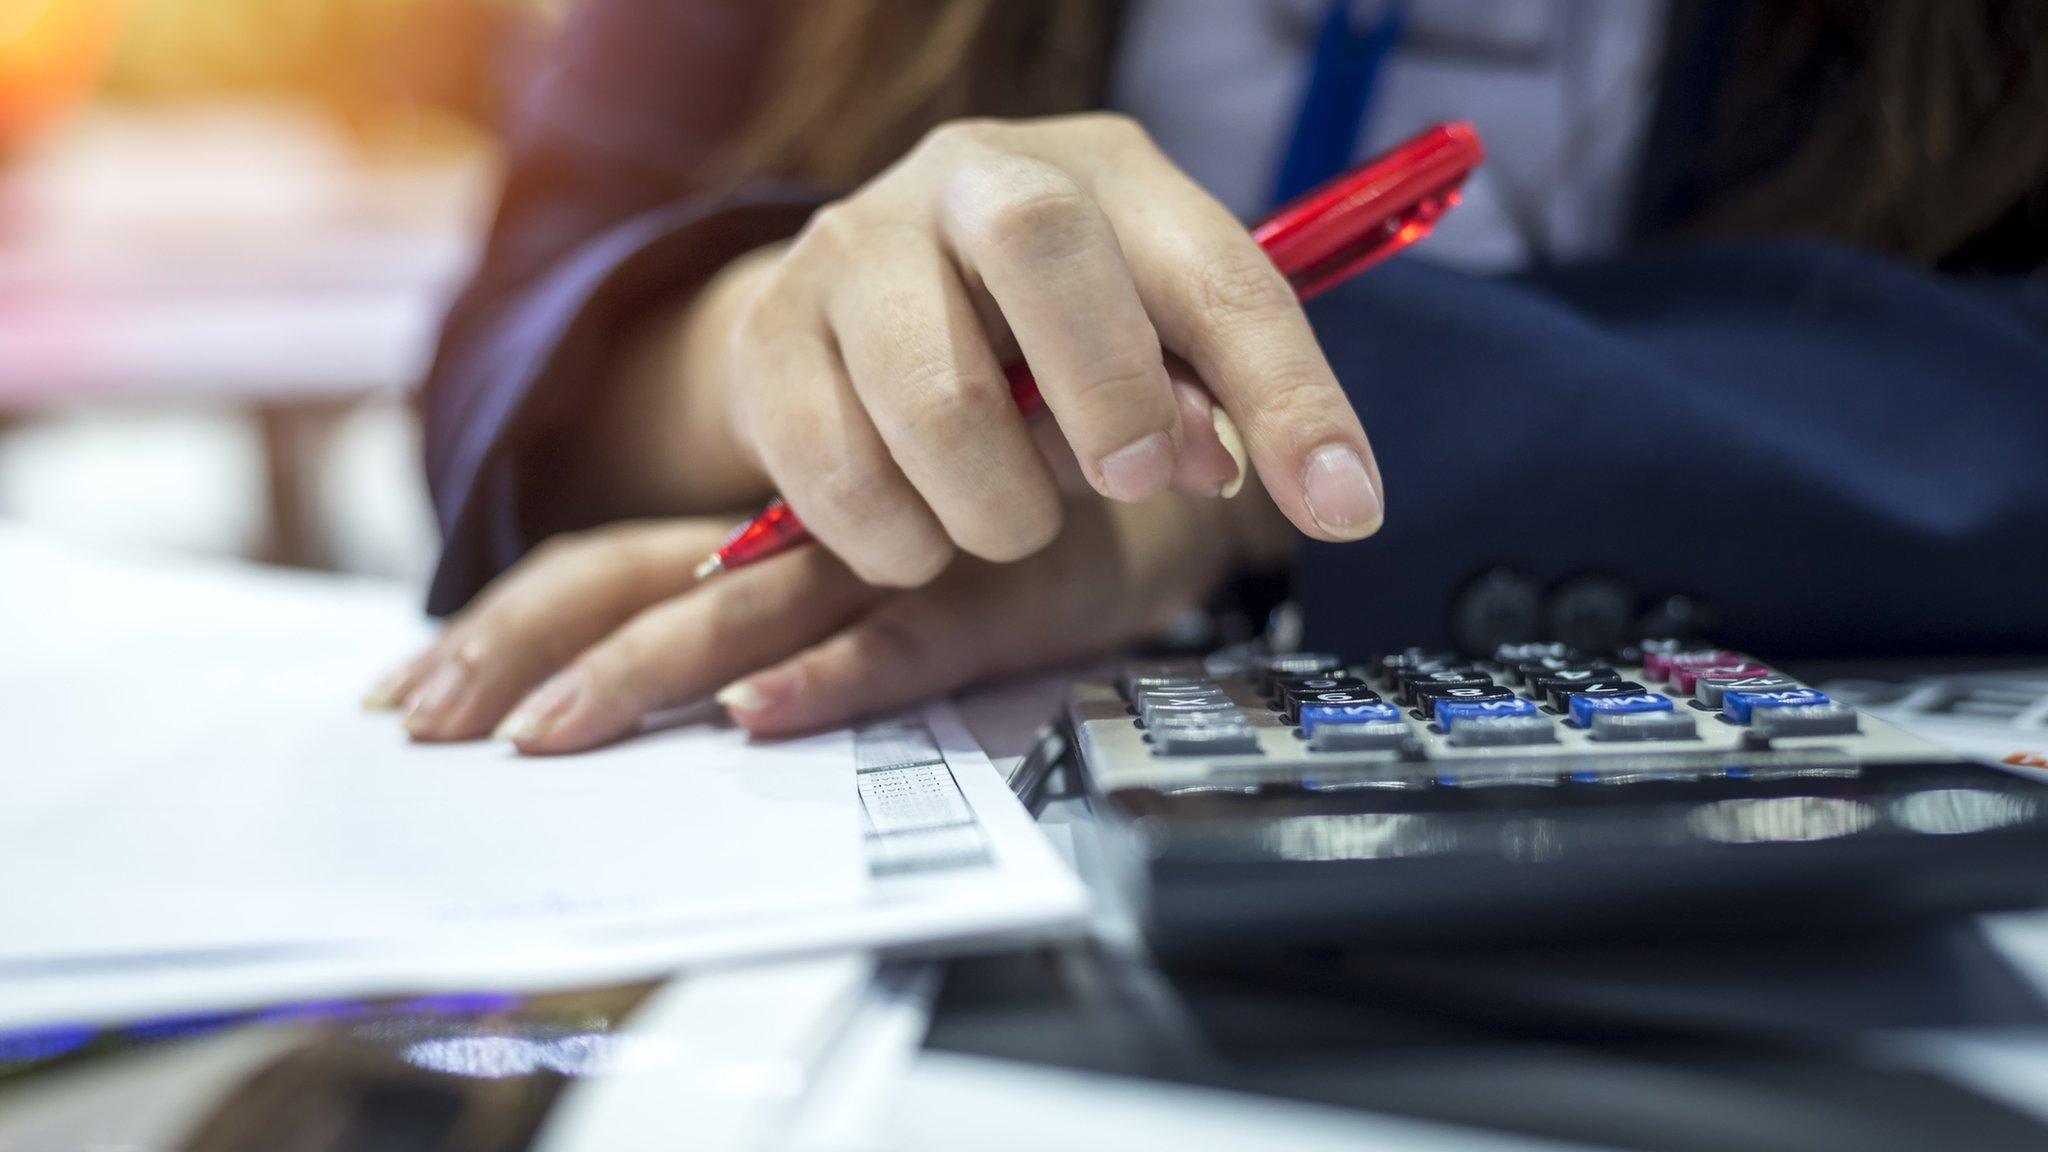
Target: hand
x=572 y=648
x=857 y=370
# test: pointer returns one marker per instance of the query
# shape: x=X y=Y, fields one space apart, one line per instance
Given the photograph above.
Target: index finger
x=1218 y=301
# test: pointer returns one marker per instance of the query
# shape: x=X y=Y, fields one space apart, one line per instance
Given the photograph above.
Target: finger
x=1218 y=301
x=533 y=620
x=799 y=412
x=1211 y=454
x=905 y=650
x=917 y=356
x=1048 y=256
x=682 y=650
x=391 y=691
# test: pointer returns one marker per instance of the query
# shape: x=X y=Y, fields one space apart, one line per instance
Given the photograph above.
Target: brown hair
x=1909 y=126
x=858 y=81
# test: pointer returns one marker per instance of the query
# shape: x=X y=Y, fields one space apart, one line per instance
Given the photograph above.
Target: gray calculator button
x=1829 y=719
x=1205 y=739
x=1628 y=727
x=1501 y=731
x=1372 y=736
x=1136 y=680
x=1710 y=690
x=1155 y=711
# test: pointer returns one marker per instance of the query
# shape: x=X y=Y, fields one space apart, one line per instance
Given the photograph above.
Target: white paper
x=196 y=819
x=188 y=776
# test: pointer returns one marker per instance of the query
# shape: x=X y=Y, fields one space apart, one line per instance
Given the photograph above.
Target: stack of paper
x=197 y=817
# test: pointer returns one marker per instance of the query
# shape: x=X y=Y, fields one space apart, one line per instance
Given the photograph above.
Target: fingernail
x=1233 y=443
x=537 y=715
x=388 y=692
x=740 y=696
x=433 y=697
x=1139 y=470
x=1339 y=493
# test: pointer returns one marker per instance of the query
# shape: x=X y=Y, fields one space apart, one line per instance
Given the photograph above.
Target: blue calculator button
x=1584 y=708
x=1741 y=706
x=1449 y=712
x=1375 y=712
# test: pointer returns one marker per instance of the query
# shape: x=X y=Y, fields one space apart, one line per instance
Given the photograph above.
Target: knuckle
x=1018 y=529
x=1121 y=382
x=1240 y=286
x=856 y=491
x=1302 y=402
x=1049 y=218
x=1115 y=127
x=890 y=639
x=836 y=227
x=953 y=136
x=944 y=408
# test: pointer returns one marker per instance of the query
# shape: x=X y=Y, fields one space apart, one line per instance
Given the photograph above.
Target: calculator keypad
x=1415 y=706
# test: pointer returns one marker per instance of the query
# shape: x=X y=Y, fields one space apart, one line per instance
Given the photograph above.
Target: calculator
x=1540 y=793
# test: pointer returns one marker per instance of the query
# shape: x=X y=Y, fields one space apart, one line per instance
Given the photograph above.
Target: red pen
x=1318 y=241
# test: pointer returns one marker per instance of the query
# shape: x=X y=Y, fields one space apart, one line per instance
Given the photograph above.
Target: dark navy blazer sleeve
x=1840 y=454
x=604 y=218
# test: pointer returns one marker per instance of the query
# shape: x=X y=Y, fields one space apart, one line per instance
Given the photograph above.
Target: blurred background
x=228 y=229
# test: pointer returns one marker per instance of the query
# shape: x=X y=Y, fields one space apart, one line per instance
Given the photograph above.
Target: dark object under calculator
x=1542 y=793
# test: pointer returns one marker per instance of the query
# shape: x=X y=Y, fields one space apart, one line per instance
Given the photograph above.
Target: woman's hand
x=593 y=632
x=857 y=369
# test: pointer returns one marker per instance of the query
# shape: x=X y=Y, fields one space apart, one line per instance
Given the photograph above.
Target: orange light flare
x=52 y=54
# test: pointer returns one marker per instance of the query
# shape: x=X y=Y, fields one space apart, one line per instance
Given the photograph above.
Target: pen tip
x=712 y=566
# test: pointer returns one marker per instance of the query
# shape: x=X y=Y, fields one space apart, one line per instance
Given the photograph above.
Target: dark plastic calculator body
x=1543 y=793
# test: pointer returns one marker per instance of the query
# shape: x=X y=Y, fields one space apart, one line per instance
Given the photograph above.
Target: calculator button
x=1710 y=689
x=1286 y=686
x=1335 y=698
x=1543 y=685
x=1370 y=736
x=1152 y=712
x=1685 y=679
x=1136 y=676
x=1805 y=720
x=1536 y=669
x=1503 y=731
x=1294 y=664
x=1315 y=715
x=1561 y=698
x=1205 y=740
x=1510 y=654
x=1408 y=682
x=1586 y=706
x=1630 y=727
x=1451 y=713
x=1428 y=696
x=1658 y=665
x=1741 y=707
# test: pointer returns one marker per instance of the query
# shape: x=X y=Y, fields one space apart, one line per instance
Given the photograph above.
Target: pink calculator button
x=1659 y=665
x=1684 y=679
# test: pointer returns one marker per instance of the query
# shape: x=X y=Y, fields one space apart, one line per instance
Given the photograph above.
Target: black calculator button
x=1389 y=668
x=1541 y=686
x=1329 y=698
x=1561 y=699
x=1286 y=691
x=1428 y=696
x=1410 y=683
